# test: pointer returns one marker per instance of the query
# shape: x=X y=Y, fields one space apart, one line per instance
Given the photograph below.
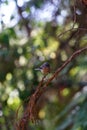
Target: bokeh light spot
x=22 y=60
x=8 y=76
x=63 y=56
x=53 y=55
x=65 y=92
x=42 y=114
x=20 y=50
x=74 y=71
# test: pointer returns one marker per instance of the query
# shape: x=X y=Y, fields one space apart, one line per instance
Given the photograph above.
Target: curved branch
x=65 y=64
x=30 y=113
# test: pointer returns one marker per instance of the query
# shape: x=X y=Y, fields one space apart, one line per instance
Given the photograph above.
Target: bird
x=44 y=68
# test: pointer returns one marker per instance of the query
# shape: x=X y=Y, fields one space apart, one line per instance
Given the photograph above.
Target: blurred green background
x=29 y=31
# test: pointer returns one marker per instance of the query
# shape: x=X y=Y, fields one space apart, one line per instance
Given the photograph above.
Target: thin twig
x=74 y=21
x=78 y=28
x=74 y=8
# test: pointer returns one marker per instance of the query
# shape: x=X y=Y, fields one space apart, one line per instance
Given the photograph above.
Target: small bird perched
x=44 y=68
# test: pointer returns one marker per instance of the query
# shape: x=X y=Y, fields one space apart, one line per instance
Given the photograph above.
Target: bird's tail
x=37 y=69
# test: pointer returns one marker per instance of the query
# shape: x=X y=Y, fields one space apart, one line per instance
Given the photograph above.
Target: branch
x=25 y=21
x=78 y=28
x=74 y=22
x=65 y=64
x=30 y=113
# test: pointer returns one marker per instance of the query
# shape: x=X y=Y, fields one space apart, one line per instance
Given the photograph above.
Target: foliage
x=28 y=39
